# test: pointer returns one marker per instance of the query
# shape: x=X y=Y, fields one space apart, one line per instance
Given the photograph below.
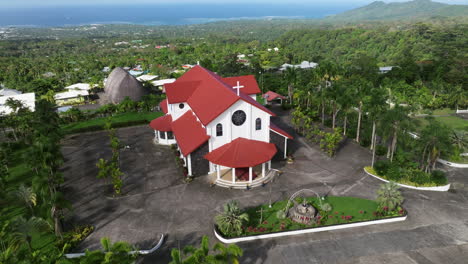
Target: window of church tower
x=239 y=117
x=258 y=124
x=219 y=130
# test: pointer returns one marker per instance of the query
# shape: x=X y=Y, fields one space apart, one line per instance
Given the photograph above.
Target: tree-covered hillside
x=379 y=10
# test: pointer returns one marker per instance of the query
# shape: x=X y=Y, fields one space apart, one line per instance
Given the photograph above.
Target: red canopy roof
x=180 y=91
x=163 y=106
x=241 y=153
x=248 y=81
x=189 y=133
x=163 y=123
x=280 y=131
x=270 y=96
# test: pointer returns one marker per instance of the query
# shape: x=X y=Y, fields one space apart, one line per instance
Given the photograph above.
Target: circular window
x=238 y=118
x=181 y=106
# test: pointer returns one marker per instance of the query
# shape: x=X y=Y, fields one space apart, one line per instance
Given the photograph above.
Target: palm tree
x=388 y=195
x=434 y=139
x=396 y=120
x=460 y=139
x=228 y=254
x=26 y=196
x=230 y=221
x=24 y=229
x=291 y=78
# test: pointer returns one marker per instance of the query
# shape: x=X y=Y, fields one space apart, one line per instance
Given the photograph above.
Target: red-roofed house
x=220 y=129
x=271 y=96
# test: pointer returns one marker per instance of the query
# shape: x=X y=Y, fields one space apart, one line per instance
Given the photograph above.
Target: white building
x=302 y=65
x=71 y=97
x=147 y=77
x=220 y=128
x=79 y=86
x=28 y=100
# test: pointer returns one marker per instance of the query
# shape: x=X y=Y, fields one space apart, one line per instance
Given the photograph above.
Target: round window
x=181 y=106
x=238 y=118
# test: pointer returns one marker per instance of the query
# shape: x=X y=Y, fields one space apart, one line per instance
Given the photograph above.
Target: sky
x=48 y=3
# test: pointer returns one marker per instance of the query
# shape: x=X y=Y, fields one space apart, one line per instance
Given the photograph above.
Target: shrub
x=380 y=150
x=419 y=177
x=439 y=177
x=395 y=173
x=381 y=167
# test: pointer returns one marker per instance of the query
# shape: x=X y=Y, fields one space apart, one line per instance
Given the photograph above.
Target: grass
x=356 y=209
x=119 y=120
x=453 y=122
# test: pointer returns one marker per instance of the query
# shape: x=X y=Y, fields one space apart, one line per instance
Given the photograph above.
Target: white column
x=269 y=165
x=218 y=172
x=233 y=175
x=189 y=165
x=250 y=174
x=285 y=147
x=263 y=170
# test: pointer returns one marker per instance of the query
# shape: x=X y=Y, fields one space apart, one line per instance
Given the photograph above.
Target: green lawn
x=118 y=120
x=454 y=122
x=356 y=208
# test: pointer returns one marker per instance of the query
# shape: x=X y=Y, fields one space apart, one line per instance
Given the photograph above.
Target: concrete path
x=157 y=201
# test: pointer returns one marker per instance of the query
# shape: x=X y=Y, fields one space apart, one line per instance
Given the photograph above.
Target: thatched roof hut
x=121 y=84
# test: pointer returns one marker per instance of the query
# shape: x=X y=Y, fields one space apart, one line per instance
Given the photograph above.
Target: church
x=220 y=129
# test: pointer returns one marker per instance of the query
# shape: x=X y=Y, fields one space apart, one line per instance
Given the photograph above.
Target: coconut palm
x=460 y=139
x=24 y=229
x=389 y=196
x=230 y=221
x=26 y=196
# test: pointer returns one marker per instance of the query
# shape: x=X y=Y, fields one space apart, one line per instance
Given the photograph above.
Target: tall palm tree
x=291 y=79
x=460 y=139
x=230 y=221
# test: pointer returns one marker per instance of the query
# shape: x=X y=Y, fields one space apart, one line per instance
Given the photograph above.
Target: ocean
x=161 y=14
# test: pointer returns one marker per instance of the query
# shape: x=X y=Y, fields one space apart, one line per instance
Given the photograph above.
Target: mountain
x=416 y=9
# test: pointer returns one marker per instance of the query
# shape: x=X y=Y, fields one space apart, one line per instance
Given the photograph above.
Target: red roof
x=163 y=123
x=213 y=96
x=248 y=81
x=163 y=106
x=241 y=153
x=270 y=96
x=280 y=131
x=189 y=133
x=179 y=92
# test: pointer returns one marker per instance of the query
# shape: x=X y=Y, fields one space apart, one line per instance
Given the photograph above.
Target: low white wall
x=435 y=188
x=306 y=231
x=462 y=111
x=452 y=164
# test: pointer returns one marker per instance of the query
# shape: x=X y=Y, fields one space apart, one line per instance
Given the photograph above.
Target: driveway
x=157 y=201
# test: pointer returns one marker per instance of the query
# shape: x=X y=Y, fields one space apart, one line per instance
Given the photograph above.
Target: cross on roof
x=238 y=87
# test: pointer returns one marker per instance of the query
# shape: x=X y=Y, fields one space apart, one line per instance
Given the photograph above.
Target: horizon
x=26 y=4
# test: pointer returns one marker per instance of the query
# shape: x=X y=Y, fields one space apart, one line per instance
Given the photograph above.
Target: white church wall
x=176 y=111
x=264 y=133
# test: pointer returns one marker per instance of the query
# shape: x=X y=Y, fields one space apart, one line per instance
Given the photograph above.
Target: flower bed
x=345 y=210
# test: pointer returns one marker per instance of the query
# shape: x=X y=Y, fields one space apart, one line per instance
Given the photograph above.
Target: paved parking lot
x=157 y=201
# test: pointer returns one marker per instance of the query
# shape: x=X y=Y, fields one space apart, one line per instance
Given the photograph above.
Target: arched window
x=258 y=124
x=219 y=130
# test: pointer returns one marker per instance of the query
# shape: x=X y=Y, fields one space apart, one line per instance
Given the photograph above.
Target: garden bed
x=442 y=188
x=346 y=212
